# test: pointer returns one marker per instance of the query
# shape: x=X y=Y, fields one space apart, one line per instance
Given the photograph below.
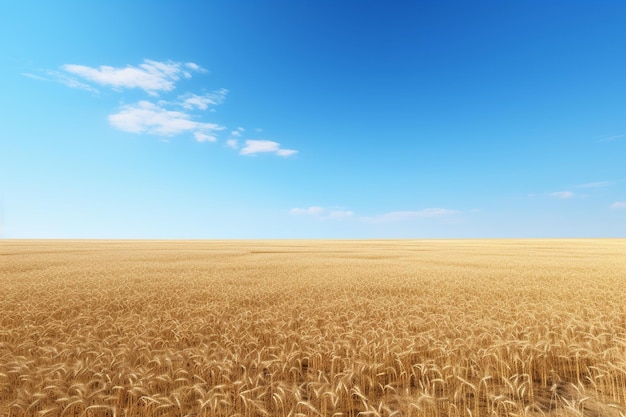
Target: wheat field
x=313 y=328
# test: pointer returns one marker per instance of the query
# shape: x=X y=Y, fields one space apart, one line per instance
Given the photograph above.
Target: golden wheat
x=313 y=328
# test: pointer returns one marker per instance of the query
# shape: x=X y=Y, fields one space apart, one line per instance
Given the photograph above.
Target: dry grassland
x=313 y=328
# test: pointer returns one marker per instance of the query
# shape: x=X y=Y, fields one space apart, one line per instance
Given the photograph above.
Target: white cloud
x=235 y=133
x=147 y=117
x=409 y=215
x=562 y=194
x=191 y=101
x=265 y=146
x=619 y=205
x=159 y=118
x=151 y=76
x=232 y=143
x=323 y=213
x=313 y=211
x=203 y=137
x=286 y=152
x=195 y=67
x=258 y=146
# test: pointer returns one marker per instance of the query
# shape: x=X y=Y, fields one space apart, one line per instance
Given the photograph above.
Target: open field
x=309 y=328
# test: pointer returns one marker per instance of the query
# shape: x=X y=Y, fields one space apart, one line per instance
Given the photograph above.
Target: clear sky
x=312 y=119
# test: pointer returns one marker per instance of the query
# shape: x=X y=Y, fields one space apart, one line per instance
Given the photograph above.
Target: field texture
x=313 y=328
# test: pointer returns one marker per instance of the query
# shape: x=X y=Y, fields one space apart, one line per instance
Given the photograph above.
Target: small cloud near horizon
x=618 y=205
x=394 y=216
x=322 y=213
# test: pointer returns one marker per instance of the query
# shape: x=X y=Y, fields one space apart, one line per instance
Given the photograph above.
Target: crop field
x=313 y=328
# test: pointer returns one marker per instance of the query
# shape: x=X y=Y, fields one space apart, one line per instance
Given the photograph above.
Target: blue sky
x=312 y=119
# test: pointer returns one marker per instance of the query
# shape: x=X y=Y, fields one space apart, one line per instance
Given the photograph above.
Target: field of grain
x=313 y=328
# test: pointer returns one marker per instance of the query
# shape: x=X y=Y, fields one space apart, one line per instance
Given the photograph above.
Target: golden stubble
x=313 y=328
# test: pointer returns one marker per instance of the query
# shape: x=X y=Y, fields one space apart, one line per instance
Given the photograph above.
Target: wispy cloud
x=192 y=101
x=254 y=147
x=151 y=76
x=148 y=117
x=619 y=205
x=569 y=194
x=395 y=216
x=232 y=143
x=340 y=214
x=609 y=138
x=562 y=194
x=62 y=78
x=323 y=213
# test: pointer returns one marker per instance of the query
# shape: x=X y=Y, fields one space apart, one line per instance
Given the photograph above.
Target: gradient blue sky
x=312 y=119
